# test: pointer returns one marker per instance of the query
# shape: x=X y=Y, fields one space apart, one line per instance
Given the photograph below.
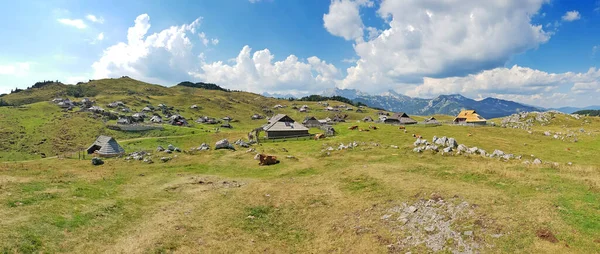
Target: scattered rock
x=203 y=147
x=410 y=209
x=497 y=153
x=537 y=162
x=171 y=147
x=394 y=147
x=223 y=144
x=447 y=149
x=160 y=149
x=451 y=142
x=97 y=161
x=165 y=159
x=148 y=161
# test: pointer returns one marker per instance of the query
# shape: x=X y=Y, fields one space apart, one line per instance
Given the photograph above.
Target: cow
x=354 y=127
x=373 y=127
x=266 y=160
x=319 y=136
x=402 y=128
x=469 y=134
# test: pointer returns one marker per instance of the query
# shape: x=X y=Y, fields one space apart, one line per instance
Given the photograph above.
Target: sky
x=539 y=52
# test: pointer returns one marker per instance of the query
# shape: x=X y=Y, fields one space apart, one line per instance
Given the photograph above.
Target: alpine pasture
x=376 y=195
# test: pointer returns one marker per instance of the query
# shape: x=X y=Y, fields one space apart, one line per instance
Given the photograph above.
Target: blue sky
x=533 y=51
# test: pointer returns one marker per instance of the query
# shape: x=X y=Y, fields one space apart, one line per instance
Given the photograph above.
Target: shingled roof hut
x=469 y=117
x=400 y=118
x=432 y=121
x=311 y=121
x=106 y=146
x=283 y=126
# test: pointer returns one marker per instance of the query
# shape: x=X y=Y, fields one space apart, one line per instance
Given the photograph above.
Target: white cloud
x=16 y=69
x=349 y=60
x=94 y=19
x=161 y=57
x=517 y=83
x=586 y=87
x=343 y=18
x=100 y=36
x=203 y=38
x=258 y=73
x=434 y=38
x=571 y=16
x=215 y=41
x=75 y=80
x=77 y=23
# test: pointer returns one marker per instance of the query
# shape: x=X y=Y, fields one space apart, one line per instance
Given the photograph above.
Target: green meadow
x=315 y=200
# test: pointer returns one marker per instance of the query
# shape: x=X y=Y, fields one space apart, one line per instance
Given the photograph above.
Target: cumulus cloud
x=343 y=18
x=586 y=87
x=571 y=16
x=77 y=23
x=15 y=69
x=434 y=38
x=75 y=80
x=161 y=57
x=515 y=83
x=257 y=72
x=94 y=19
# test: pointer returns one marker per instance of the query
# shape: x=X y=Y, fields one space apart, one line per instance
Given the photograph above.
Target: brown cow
x=319 y=136
x=266 y=160
x=354 y=127
x=373 y=127
x=402 y=128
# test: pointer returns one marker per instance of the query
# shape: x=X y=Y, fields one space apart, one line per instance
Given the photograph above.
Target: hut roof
x=309 y=118
x=402 y=118
x=431 y=120
x=105 y=145
x=469 y=116
x=282 y=122
x=123 y=121
x=156 y=119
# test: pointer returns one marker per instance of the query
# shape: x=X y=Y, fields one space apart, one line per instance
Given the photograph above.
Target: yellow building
x=469 y=117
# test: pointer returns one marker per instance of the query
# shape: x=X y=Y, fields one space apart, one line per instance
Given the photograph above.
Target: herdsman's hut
x=106 y=146
x=432 y=121
x=311 y=122
x=469 y=117
x=156 y=119
x=283 y=126
x=400 y=118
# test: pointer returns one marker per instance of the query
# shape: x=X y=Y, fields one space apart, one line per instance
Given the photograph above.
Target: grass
x=323 y=201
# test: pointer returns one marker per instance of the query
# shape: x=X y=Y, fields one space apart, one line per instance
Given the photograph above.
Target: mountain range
x=444 y=104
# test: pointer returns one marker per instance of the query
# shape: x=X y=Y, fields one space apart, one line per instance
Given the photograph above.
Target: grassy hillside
x=316 y=200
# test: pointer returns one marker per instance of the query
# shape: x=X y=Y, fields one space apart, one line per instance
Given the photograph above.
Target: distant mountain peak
x=450 y=104
x=347 y=93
